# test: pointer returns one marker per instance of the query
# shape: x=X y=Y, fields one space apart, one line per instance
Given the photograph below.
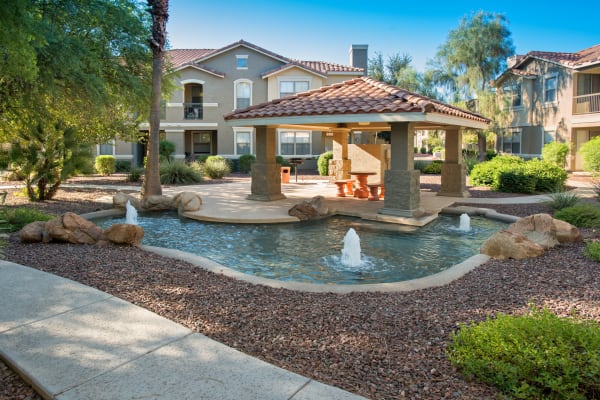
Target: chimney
x=513 y=60
x=359 y=56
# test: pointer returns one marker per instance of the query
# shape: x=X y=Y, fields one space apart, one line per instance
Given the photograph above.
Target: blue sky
x=325 y=30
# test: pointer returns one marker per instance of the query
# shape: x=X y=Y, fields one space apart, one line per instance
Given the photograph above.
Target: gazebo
x=362 y=104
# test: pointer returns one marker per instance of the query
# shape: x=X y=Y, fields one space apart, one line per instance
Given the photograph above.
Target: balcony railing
x=589 y=103
x=192 y=111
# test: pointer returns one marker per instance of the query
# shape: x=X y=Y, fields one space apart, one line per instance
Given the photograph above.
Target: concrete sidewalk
x=75 y=342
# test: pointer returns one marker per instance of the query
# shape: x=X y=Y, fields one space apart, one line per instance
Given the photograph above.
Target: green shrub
x=217 y=167
x=434 y=167
x=135 y=174
x=16 y=218
x=178 y=173
x=470 y=160
x=166 y=149
x=590 y=153
x=323 y=163
x=515 y=181
x=592 y=250
x=245 y=163
x=105 y=164
x=202 y=159
x=423 y=150
x=486 y=173
x=556 y=153
x=563 y=199
x=584 y=215
x=489 y=154
x=123 y=166
x=535 y=356
x=549 y=177
x=420 y=165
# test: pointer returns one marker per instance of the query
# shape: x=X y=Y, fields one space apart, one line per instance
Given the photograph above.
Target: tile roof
x=584 y=57
x=325 y=67
x=356 y=96
x=179 y=57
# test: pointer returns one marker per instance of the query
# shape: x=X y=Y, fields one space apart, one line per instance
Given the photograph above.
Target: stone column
x=340 y=164
x=402 y=181
x=454 y=171
x=266 y=173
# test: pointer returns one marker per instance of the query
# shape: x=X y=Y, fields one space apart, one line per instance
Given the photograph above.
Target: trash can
x=285 y=174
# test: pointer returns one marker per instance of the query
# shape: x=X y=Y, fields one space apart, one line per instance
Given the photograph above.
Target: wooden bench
x=344 y=187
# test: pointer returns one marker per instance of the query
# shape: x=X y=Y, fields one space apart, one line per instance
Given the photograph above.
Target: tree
x=398 y=72
x=88 y=76
x=471 y=57
x=159 y=9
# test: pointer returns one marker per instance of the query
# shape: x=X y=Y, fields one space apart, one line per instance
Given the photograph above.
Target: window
x=550 y=89
x=287 y=88
x=202 y=142
x=243 y=93
x=241 y=61
x=511 y=141
x=294 y=143
x=549 y=136
x=106 y=149
x=243 y=141
x=512 y=91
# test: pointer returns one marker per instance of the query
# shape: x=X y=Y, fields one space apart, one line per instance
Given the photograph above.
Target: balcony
x=586 y=104
x=192 y=111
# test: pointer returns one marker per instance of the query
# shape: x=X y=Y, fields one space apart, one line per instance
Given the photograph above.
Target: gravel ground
x=382 y=346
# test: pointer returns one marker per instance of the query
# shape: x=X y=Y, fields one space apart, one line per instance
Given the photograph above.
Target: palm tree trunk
x=159 y=10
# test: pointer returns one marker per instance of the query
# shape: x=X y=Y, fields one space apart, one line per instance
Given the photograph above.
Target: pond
x=312 y=251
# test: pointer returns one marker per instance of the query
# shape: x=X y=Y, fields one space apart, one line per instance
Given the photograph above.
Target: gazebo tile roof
x=356 y=96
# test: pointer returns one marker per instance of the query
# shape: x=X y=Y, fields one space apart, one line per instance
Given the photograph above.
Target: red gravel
x=379 y=345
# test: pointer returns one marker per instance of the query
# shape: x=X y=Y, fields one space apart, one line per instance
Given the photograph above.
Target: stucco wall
x=371 y=158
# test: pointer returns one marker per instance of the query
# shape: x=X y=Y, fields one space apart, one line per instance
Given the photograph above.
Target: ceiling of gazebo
x=359 y=104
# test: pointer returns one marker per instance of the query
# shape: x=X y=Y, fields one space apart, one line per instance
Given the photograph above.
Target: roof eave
x=182 y=67
x=290 y=66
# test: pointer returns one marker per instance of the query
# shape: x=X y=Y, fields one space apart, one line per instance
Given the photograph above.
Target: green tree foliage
x=397 y=71
x=556 y=153
x=87 y=73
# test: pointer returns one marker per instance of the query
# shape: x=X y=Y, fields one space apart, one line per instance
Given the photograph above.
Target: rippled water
x=311 y=251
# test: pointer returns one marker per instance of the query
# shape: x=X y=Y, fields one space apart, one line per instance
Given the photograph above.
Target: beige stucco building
x=213 y=82
x=550 y=96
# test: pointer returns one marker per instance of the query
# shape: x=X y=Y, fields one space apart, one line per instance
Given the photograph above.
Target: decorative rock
x=73 y=228
x=156 y=203
x=566 y=233
x=538 y=228
x=506 y=244
x=125 y=234
x=312 y=209
x=120 y=200
x=33 y=232
x=187 y=202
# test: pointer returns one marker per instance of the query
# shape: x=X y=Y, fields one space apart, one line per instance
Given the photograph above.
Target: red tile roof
x=179 y=57
x=356 y=96
x=584 y=57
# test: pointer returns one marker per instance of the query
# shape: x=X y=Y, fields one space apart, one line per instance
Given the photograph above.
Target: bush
x=423 y=150
x=178 y=173
x=323 y=163
x=217 y=167
x=485 y=173
x=166 y=150
x=245 y=163
x=563 y=199
x=434 y=167
x=420 y=165
x=135 y=175
x=535 y=356
x=549 y=177
x=590 y=153
x=556 y=153
x=123 y=166
x=105 y=164
x=583 y=215
x=592 y=250
x=489 y=154
x=16 y=218
x=515 y=181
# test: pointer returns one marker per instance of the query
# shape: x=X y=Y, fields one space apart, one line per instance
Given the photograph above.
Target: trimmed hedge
x=245 y=163
x=105 y=164
x=323 y=163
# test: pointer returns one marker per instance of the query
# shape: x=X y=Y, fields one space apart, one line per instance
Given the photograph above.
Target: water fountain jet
x=351 y=251
x=465 y=223
x=130 y=214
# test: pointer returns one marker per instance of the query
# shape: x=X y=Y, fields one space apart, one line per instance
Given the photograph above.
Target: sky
x=314 y=30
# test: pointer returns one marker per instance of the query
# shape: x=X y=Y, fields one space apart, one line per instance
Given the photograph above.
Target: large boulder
x=156 y=203
x=34 y=232
x=72 y=228
x=506 y=244
x=186 y=202
x=120 y=200
x=567 y=233
x=310 y=209
x=125 y=234
x=538 y=228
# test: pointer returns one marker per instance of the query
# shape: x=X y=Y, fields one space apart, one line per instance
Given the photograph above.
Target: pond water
x=312 y=251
